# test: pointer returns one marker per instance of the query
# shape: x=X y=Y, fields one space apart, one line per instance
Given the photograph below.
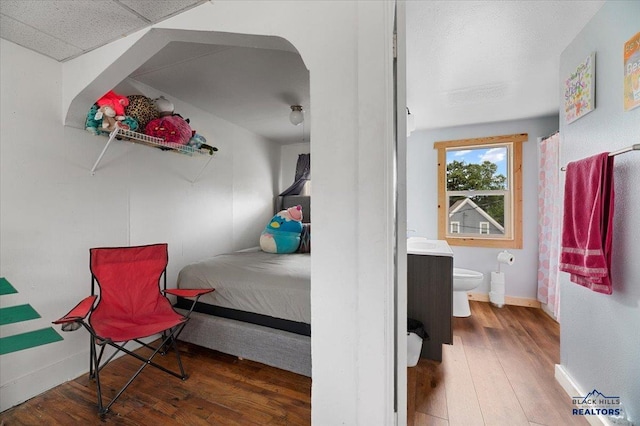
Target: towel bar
x=635 y=147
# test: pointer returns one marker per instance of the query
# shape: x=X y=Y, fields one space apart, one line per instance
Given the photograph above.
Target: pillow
x=171 y=128
x=305 y=239
x=282 y=233
x=142 y=109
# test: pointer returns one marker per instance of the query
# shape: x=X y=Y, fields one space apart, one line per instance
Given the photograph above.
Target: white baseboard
x=570 y=387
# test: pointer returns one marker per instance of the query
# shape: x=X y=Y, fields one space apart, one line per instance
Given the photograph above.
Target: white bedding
x=277 y=285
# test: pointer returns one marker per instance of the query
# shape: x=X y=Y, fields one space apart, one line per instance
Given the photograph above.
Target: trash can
x=415 y=336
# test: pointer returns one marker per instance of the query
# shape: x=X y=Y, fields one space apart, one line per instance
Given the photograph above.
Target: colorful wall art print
x=632 y=73
x=580 y=90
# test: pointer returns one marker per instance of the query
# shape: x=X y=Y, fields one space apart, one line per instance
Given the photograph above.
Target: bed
x=261 y=308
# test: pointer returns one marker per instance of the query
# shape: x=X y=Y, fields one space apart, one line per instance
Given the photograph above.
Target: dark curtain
x=303 y=174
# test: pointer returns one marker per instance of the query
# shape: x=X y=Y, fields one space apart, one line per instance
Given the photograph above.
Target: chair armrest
x=188 y=292
x=80 y=311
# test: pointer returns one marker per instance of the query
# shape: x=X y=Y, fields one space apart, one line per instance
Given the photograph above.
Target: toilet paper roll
x=506 y=258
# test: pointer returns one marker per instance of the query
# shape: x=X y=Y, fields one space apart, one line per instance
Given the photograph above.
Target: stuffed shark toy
x=282 y=234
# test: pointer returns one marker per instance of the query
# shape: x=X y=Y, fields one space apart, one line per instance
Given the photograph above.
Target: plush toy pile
x=140 y=113
x=282 y=233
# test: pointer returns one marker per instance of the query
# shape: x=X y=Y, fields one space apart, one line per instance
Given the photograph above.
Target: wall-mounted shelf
x=143 y=139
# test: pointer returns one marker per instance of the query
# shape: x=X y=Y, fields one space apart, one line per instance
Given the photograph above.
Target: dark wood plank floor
x=499 y=371
x=220 y=390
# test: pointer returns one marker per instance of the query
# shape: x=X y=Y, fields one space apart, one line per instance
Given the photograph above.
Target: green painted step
x=18 y=313
x=6 y=287
x=28 y=340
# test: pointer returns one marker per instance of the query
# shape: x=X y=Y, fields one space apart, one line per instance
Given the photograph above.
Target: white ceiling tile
x=80 y=23
x=28 y=37
x=155 y=10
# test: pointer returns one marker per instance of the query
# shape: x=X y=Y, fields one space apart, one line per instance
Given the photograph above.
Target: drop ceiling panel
x=96 y=20
x=28 y=37
x=155 y=10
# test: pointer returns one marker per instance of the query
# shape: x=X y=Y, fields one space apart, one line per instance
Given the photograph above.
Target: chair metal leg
x=101 y=409
x=146 y=361
x=92 y=349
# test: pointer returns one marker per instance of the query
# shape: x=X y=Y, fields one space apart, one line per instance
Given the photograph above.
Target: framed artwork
x=632 y=73
x=580 y=90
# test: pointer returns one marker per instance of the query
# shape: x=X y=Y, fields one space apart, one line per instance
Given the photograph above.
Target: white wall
x=599 y=338
x=422 y=200
x=350 y=66
x=52 y=210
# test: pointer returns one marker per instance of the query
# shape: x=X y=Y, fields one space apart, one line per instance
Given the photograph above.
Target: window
x=480 y=191
x=484 y=228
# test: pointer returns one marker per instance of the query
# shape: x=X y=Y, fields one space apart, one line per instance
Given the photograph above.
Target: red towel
x=588 y=222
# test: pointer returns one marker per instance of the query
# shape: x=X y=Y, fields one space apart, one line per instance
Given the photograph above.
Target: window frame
x=514 y=240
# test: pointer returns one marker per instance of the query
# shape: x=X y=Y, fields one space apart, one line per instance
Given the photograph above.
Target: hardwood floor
x=499 y=371
x=220 y=390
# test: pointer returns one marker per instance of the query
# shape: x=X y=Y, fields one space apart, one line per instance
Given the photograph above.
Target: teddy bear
x=109 y=118
x=115 y=101
x=282 y=234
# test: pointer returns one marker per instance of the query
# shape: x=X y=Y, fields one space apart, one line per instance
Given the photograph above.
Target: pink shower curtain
x=549 y=223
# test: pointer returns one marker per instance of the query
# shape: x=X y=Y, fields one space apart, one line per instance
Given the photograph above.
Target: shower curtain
x=549 y=223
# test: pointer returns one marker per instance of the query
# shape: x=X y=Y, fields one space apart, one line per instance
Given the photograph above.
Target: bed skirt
x=277 y=348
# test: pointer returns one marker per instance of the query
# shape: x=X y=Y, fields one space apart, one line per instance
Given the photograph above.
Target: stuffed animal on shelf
x=95 y=118
x=115 y=101
x=109 y=118
x=198 y=141
x=171 y=128
x=129 y=123
x=164 y=106
x=93 y=124
x=282 y=234
x=142 y=109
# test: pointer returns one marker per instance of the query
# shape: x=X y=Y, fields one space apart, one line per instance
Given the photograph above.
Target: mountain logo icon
x=595 y=394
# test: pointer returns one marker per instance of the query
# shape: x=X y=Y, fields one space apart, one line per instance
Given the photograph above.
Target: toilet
x=463 y=281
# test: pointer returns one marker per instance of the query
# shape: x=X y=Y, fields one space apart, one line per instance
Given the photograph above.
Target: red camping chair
x=131 y=307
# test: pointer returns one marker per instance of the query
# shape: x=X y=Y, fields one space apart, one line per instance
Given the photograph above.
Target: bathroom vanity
x=429 y=292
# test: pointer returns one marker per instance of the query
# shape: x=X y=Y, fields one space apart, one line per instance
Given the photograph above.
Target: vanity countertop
x=425 y=247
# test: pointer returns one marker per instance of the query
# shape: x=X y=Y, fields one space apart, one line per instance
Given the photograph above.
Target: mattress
x=274 y=285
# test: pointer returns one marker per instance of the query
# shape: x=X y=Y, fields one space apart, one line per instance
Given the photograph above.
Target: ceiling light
x=297 y=116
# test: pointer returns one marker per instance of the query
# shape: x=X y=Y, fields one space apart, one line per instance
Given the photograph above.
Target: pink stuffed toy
x=171 y=128
x=115 y=101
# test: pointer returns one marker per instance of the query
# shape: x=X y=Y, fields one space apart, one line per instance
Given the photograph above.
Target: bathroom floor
x=499 y=371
